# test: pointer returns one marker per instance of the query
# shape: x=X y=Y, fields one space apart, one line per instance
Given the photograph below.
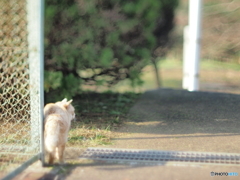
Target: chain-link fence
x=20 y=93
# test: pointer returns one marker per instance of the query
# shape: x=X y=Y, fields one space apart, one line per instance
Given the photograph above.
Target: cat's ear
x=68 y=103
x=64 y=100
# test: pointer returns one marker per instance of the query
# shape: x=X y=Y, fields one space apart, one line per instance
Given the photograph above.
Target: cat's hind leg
x=51 y=157
x=60 y=153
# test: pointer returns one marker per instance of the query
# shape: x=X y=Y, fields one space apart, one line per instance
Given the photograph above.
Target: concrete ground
x=165 y=119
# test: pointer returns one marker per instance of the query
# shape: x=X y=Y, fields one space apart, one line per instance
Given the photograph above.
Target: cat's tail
x=52 y=133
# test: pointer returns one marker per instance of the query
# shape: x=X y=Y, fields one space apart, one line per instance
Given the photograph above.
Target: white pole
x=195 y=8
x=185 y=82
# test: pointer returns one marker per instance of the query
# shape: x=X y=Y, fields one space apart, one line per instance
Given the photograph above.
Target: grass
x=97 y=116
x=214 y=76
x=86 y=136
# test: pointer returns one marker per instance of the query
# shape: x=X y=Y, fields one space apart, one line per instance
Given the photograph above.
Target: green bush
x=102 y=42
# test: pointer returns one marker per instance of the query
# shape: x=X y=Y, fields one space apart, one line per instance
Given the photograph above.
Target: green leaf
x=106 y=57
x=70 y=85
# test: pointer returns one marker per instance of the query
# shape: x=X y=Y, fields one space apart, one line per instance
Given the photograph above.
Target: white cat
x=57 y=120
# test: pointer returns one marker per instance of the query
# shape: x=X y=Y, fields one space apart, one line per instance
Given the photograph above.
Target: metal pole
x=35 y=16
x=41 y=87
x=194 y=43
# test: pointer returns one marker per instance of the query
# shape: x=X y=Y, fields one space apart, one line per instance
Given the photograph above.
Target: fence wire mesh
x=16 y=93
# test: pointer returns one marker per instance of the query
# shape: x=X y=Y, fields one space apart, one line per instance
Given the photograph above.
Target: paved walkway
x=166 y=119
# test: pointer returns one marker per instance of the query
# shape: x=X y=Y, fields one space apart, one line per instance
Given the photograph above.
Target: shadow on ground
x=81 y=170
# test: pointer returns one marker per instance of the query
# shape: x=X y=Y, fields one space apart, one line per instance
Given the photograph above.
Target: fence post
x=35 y=17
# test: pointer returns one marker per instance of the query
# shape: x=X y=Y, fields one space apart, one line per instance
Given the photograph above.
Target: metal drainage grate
x=154 y=156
